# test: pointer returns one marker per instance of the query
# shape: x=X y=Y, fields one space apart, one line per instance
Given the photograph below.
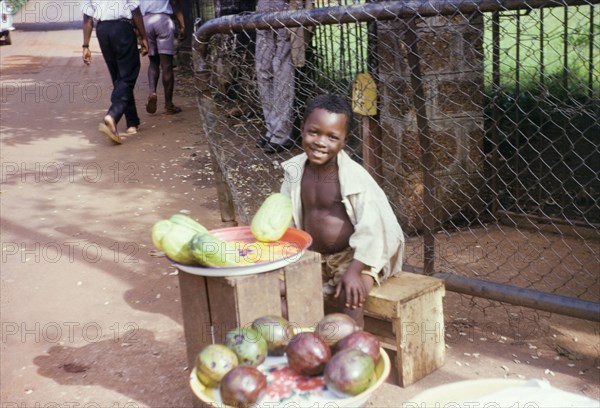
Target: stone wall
x=452 y=71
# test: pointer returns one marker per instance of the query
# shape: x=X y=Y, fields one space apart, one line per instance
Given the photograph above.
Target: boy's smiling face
x=324 y=134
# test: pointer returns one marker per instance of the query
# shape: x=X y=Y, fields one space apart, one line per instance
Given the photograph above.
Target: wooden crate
x=211 y=306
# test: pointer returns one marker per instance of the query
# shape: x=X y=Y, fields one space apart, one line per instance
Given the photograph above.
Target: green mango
x=213 y=362
x=249 y=345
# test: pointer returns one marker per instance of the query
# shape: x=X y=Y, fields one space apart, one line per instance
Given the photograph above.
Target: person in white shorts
x=161 y=32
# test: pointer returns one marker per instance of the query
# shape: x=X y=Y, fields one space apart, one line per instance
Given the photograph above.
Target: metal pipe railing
x=356 y=13
x=548 y=302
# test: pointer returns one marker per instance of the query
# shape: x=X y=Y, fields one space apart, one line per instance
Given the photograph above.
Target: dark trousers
x=118 y=44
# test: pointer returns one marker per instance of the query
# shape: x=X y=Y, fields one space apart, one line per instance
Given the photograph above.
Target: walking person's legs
x=168 y=81
x=153 y=75
x=118 y=44
x=160 y=29
x=128 y=62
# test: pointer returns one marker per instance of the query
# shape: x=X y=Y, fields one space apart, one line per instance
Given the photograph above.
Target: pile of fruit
x=187 y=242
x=336 y=349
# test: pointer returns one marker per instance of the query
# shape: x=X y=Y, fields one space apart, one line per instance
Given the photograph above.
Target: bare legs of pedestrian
x=161 y=64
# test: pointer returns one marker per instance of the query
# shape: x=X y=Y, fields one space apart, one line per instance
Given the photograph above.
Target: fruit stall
x=245 y=342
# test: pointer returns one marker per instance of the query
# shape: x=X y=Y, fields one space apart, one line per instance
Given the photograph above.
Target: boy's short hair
x=332 y=103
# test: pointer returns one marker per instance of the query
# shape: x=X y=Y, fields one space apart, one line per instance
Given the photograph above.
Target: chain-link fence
x=485 y=135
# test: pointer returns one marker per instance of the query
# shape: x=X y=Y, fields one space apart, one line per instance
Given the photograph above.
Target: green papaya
x=189 y=222
x=272 y=218
x=212 y=251
x=173 y=239
x=175 y=244
x=159 y=230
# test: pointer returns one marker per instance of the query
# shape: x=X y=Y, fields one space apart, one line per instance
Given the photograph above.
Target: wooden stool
x=413 y=304
x=212 y=306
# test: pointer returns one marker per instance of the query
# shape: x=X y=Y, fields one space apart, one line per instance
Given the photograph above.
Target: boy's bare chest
x=320 y=193
x=324 y=215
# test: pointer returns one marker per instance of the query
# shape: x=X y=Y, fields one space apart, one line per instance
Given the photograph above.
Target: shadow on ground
x=115 y=364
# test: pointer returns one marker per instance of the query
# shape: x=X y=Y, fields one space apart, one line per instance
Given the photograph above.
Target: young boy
x=341 y=206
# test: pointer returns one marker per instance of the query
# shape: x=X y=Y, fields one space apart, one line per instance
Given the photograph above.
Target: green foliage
x=546 y=46
x=340 y=50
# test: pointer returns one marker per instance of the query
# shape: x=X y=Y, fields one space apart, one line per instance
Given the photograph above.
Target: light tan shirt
x=378 y=240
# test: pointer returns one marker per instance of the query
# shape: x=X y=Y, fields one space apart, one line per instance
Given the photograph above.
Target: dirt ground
x=89 y=316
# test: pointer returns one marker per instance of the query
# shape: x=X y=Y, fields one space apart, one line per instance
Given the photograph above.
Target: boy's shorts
x=333 y=267
x=160 y=30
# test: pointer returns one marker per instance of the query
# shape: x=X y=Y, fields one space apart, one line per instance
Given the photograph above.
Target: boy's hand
x=354 y=288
